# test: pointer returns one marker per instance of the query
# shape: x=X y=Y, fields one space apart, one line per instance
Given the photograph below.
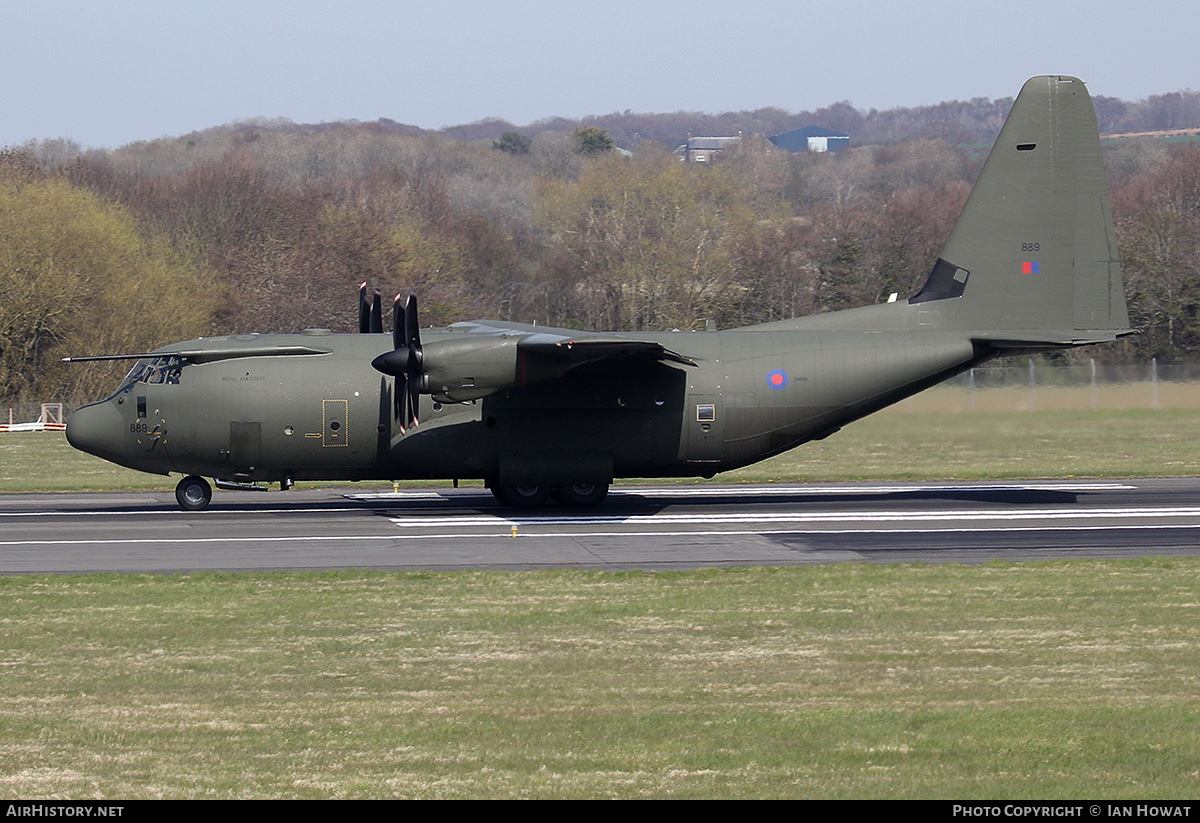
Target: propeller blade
x=412 y=340
x=414 y=399
x=403 y=362
x=364 y=310
x=399 y=395
x=412 y=327
x=397 y=324
x=376 y=314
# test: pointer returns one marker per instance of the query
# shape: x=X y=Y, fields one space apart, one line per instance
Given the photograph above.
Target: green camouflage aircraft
x=536 y=412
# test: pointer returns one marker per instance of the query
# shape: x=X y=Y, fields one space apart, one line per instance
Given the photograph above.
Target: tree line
x=272 y=228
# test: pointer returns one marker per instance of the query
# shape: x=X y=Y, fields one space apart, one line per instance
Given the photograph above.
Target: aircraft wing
x=568 y=345
x=205 y=355
x=483 y=358
x=588 y=348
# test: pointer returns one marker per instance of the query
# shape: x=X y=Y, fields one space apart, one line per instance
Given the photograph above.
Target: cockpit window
x=166 y=370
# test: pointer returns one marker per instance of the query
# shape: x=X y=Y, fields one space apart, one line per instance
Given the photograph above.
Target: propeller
x=370 y=314
x=404 y=361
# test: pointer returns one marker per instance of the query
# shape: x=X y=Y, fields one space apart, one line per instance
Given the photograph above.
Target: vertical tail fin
x=1033 y=256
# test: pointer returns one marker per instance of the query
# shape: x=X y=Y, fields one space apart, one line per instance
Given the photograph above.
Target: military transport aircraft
x=536 y=412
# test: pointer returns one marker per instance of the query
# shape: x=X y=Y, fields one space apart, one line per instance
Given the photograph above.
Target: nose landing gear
x=193 y=493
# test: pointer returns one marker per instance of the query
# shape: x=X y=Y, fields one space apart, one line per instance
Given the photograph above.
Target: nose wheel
x=193 y=493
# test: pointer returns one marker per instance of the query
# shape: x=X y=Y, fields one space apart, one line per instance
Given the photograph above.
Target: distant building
x=705 y=149
x=811 y=138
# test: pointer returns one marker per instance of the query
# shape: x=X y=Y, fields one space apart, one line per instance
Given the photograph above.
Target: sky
x=109 y=73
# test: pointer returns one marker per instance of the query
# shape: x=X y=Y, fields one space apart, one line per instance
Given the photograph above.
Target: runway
x=670 y=527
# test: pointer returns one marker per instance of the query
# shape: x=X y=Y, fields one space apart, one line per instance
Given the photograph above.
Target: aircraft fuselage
x=751 y=393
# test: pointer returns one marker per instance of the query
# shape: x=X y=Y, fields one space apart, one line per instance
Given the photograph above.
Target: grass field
x=1038 y=680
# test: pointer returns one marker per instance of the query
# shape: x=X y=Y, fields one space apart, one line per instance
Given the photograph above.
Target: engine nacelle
x=469 y=368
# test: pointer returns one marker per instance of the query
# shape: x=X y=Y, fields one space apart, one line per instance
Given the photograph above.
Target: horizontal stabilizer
x=1048 y=339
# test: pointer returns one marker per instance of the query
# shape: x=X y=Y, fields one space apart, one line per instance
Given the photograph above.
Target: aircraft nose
x=95 y=429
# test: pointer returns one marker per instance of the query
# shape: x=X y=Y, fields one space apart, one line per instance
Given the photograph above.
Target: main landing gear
x=580 y=496
x=193 y=493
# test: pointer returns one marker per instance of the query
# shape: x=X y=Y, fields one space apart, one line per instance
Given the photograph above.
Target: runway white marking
x=188 y=541
x=767 y=491
x=500 y=525
x=989 y=515
x=449 y=496
x=170 y=512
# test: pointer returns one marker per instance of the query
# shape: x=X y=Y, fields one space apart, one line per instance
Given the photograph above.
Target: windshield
x=168 y=370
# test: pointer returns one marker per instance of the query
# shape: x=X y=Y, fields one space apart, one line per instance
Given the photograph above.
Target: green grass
x=1039 y=680
x=971 y=445
x=903 y=443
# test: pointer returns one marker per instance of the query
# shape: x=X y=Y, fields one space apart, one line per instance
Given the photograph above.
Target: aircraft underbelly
x=844 y=378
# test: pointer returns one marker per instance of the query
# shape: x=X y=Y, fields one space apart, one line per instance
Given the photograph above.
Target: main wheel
x=581 y=495
x=522 y=497
x=193 y=493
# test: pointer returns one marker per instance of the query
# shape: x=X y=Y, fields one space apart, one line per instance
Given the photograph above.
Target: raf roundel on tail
x=536 y=412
